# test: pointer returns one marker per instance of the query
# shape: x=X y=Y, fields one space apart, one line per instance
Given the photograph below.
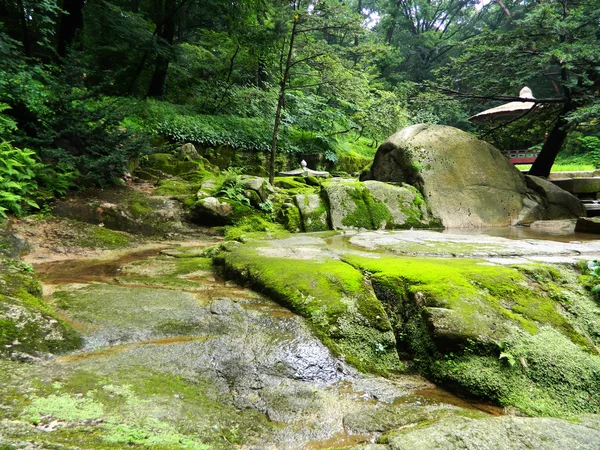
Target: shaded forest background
x=88 y=87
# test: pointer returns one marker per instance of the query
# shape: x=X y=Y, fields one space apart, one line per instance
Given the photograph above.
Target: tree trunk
x=71 y=21
x=280 y=101
x=554 y=142
x=25 y=29
x=159 y=77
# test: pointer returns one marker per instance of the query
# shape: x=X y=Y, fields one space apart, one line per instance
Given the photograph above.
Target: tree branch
x=508 y=122
x=308 y=58
x=503 y=98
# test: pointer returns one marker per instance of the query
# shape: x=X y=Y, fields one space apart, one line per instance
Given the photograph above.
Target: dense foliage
x=91 y=86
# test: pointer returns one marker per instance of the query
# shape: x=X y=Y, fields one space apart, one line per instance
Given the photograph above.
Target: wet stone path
x=174 y=357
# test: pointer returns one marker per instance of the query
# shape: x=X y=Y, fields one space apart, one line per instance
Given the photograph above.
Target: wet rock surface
x=214 y=364
x=175 y=357
x=493 y=317
x=497 y=433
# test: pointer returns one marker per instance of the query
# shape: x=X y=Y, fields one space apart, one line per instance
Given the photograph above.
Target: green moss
x=480 y=296
x=139 y=207
x=293 y=186
x=378 y=212
x=176 y=188
x=171 y=165
x=289 y=216
x=351 y=162
x=132 y=408
x=360 y=216
x=550 y=375
x=27 y=323
x=100 y=237
x=313 y=212
x=331 y=294
x=249 y=227
x=63 y=407
x=490 y=330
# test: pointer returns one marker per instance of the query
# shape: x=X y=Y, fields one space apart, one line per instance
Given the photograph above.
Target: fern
x=17 y=179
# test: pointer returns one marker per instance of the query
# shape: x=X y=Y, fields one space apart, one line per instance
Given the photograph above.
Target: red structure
x=521 y=156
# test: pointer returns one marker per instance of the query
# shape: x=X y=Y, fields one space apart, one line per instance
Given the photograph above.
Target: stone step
x=584 y=185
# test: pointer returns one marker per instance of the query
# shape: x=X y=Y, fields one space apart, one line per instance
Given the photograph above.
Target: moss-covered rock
x=289 y=216
x=373 y=205
x=294 y=186
x=351 y=162
x=496 y=332
x=123 y=209
x=466 y=181
x=313 y=212
x=507 y=433
x=29 y=326
x=252 y=226
x=171 y=165
x=335 y=297
x=218 y=211
x=347 y=207
x=405 y=205
x=169 y=187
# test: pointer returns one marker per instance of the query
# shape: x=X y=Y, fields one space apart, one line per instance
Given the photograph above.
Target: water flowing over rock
x=466 y=182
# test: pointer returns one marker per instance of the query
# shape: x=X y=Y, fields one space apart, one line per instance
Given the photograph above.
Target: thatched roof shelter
x=507 y=110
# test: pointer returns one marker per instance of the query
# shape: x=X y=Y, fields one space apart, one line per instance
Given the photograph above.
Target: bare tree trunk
x=554 y=142
x=280 y=102
x=71 y=21
x=25 y=29
x=161 y=67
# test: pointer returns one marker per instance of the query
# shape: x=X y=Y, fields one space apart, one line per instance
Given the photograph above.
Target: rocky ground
x=173 y=356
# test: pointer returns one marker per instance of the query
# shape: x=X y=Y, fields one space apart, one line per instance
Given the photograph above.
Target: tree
x=307 y=51
x=551 y=44
x=71 y=21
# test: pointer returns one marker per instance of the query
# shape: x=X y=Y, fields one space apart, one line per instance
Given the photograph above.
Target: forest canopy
x=88 y=86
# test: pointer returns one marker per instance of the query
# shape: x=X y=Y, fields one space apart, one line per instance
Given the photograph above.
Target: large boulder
x=466 y=182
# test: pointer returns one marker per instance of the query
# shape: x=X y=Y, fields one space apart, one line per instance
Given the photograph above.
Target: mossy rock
x=294 y=186
x=289 y=216
x=289 y=183
x=123 y=209
x=332 y=295
x=456 y=432
x=28 y=326
x=397 y=207
x=374 y=205
x=492 y=331
x=313 y=212
x=176 y=188
x=11 y=246
x=347 y=206
x=171 y=165
x=254 y=226
x=219 y=211
x=100 y=237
